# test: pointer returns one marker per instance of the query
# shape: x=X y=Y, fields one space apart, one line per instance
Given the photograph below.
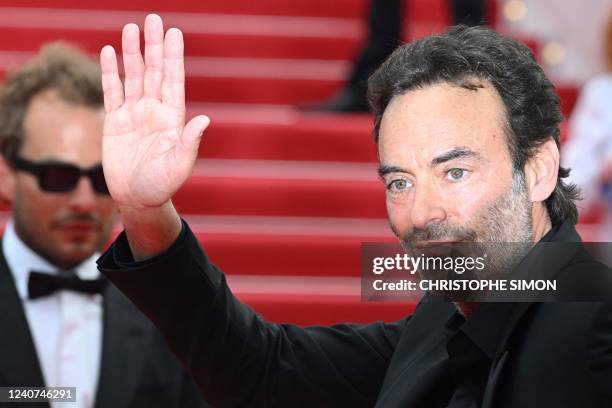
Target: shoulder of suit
x=586 y=277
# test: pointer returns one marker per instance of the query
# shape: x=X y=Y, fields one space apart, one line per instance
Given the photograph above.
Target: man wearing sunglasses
x=62 y=324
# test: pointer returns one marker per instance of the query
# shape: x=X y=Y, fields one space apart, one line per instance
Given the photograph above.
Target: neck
x=541 y=221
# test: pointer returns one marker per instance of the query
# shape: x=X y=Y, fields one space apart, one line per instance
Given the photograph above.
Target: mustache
x=91 y=218
x=436 y=232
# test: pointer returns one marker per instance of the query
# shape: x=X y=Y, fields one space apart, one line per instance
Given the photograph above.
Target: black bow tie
x=44 y=284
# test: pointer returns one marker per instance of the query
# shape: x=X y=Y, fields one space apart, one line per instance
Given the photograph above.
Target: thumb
x=193 y=130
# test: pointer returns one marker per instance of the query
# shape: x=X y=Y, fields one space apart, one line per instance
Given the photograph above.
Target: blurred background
x=285 y=191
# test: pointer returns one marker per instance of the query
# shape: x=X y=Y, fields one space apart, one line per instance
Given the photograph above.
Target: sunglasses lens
x=58 y=177
x=62 y=177
x=98 y=182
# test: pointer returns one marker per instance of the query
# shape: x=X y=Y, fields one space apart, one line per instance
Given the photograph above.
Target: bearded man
x=467 y=129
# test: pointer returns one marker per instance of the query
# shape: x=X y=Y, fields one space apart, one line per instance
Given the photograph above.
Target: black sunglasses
x=57 y=177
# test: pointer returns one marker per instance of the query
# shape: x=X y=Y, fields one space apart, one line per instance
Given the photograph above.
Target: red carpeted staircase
x=281 y=200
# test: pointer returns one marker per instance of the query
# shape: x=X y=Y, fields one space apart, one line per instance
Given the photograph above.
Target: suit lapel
x=420 y=360
x=125 y=343
x=19 y=364
x=496 y=369
x=503 y=351
x=544 y=258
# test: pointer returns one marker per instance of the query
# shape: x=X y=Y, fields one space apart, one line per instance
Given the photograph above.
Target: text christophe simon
x=458 y=265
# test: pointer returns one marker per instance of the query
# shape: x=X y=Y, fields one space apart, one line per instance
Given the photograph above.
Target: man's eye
x=456 y=174
x=398 y=185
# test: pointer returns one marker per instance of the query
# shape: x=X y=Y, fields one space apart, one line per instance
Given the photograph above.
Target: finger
x=132 y=62
x=154 y=55
x=111 y=84
x=192 y=133
x=173 y=85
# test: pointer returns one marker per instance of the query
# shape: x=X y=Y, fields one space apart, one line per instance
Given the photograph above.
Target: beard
x=502 y=230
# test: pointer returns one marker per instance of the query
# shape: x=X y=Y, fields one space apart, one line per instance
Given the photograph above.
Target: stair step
x=416 y=10
x=205 y=34
x=283 y=188
x=336 y=8
x=313 y=300
x=282 y=132
x=243 y=80
x=283 y=246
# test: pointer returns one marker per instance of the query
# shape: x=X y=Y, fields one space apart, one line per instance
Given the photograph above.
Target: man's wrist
x=152 y=230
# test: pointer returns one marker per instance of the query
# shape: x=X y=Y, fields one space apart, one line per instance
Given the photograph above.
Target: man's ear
x=7 y=181
x=541 y=171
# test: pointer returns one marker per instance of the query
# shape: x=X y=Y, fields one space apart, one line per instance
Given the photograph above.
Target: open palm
x=148 y=151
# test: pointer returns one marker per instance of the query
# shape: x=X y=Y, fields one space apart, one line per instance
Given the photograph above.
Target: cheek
x=467 y=202
x=398 y=211
x=462 y=203
x=37 y=208
x=106 y=209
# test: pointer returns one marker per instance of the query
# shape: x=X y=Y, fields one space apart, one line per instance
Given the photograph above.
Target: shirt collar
x=550 y=235
x=21 y=260
x=486 y=326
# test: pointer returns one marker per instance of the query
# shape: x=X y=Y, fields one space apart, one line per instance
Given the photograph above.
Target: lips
x=78 y=227
x=426 y=244
x=434 y=248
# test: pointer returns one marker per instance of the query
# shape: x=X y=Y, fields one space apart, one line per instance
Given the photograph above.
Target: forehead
x=55 y=129
x=440 y=117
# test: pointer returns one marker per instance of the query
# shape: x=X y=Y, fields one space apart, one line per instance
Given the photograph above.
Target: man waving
x=467 y=129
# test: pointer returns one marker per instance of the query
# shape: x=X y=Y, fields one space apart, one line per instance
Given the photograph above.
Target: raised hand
x=148 y=151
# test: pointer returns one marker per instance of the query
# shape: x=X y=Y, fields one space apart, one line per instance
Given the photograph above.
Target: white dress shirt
x=66 y=326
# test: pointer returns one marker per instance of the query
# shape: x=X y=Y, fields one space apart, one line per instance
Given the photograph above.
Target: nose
x=427 y=207
x=83 y=197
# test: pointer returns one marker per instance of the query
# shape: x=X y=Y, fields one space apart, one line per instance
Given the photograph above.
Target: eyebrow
x=454 y=153
x=386 y=169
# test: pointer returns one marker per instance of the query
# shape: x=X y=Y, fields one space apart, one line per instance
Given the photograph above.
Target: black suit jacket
x=136 y=370
x=547 y=354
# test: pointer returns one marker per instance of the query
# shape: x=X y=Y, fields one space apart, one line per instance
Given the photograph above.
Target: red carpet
x=281 y=200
